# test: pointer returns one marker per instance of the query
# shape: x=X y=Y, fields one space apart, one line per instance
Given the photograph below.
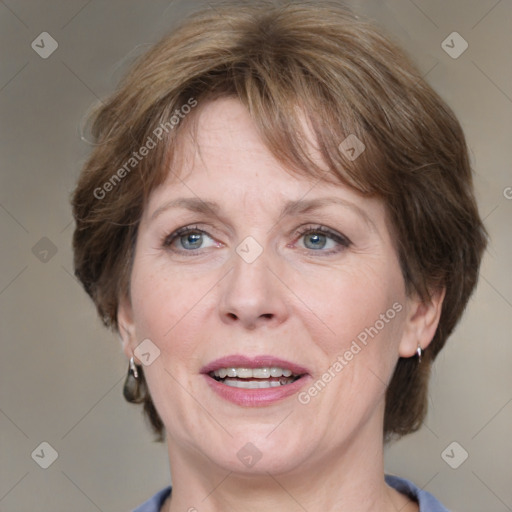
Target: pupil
x=316 y=237
x=194 y=238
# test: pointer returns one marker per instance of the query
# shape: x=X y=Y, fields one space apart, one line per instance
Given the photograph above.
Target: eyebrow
x=291 y=208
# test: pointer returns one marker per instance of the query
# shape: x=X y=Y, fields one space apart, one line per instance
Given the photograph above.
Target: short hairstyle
x=286 y=63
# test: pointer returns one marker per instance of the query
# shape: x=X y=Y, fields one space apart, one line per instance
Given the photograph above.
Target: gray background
x=61 y=372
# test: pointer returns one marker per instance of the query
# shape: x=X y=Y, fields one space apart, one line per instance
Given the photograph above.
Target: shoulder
x=155 y=502
x=427 y=502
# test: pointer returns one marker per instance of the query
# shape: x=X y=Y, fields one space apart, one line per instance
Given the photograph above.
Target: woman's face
x=276 y=275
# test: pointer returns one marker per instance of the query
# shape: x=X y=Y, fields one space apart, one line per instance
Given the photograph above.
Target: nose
x=253 y=294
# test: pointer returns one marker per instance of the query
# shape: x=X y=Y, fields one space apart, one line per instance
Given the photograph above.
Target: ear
x=126 y=326
x=421 y=323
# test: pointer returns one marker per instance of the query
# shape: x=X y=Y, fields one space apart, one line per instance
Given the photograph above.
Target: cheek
x=356 y=341
x=167 y=305
x=354 y=303
x=152 y=298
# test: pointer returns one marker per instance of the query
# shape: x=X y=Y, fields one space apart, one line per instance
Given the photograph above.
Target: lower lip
x=256 y=397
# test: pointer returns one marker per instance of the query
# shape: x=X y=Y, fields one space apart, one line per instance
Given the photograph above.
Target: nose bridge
x=252 y=292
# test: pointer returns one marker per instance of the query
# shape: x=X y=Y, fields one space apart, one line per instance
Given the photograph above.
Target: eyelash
x=340 y=239
x=343 y=241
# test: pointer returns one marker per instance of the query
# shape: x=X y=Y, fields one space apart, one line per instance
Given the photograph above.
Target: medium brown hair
x=285 y=62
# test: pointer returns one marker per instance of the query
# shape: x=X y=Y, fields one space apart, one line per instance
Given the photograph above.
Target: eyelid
x=170 y=238
x=339 y=238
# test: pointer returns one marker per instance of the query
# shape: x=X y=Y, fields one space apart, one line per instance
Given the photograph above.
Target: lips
x=256 y=381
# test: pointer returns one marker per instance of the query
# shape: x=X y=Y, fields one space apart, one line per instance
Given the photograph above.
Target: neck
x=350 y=478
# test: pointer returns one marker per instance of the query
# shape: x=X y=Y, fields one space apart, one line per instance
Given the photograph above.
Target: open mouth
x=255 y=378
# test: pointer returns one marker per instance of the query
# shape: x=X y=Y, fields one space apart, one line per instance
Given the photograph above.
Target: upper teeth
x=257 y=373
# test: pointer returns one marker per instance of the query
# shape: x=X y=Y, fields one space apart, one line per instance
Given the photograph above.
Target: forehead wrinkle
x=290 y=209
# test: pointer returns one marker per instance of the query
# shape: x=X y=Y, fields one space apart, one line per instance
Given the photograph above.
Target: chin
x=259 y=450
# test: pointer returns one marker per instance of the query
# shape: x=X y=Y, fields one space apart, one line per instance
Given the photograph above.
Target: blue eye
x=319 y=238
x=190 y=238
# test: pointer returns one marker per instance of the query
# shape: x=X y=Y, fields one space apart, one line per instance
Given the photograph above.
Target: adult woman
x=279 y=221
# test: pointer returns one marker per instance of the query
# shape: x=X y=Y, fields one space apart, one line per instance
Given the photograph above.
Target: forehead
x=225 y=120
x=222 y=143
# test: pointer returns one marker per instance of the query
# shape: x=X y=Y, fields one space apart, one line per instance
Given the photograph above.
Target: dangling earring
x=133 y=385
x=419 y=351
x=133 y=368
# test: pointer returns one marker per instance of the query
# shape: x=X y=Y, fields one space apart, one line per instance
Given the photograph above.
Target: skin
x=294 y=302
